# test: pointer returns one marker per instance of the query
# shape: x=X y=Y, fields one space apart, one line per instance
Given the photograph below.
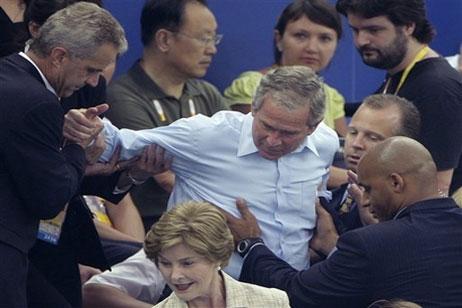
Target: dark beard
x=388 y=57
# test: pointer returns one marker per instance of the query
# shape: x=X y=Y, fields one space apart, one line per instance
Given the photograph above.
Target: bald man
x=379 y=117
x=414 y=253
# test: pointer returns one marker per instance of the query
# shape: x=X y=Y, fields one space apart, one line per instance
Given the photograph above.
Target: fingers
x=115 y=156
x=355 y=191
x=352 y=177
x=93 y=112
x=241 y=206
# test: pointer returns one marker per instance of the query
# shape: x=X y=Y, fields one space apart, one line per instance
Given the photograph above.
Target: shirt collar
x=45 y=80
x=156 y=92
x=247 y=146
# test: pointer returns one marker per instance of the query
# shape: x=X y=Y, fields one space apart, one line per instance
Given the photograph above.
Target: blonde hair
x=199 y=225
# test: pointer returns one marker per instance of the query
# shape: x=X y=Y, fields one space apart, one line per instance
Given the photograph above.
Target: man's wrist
x=244 y=246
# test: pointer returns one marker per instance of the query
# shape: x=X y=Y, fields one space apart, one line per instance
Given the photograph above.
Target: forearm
x=126 y=218
x=166 y=180
x=337 y=177
x=263 y=268
x=97 y=295
x=109 y=233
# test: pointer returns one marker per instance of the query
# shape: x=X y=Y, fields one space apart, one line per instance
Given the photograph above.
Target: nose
x=93 y=80
x=176 y=274
x=358 y=141
x=361 y=38
x=211 y=49
x=273 y=139
x=311 y=44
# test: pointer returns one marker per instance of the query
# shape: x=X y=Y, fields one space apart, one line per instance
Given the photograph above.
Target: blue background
x=247 y=26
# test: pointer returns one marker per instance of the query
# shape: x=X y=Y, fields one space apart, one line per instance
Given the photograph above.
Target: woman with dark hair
x=307 y=33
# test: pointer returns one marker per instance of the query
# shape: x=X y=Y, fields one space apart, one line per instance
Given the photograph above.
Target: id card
x=50 y=229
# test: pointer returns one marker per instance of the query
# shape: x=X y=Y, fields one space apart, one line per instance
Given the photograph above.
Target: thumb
x=92 y=112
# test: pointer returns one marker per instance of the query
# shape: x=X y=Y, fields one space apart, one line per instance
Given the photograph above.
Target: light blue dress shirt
x=215 y=159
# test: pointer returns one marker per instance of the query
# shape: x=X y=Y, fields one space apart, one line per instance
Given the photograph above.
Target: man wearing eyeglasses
x=179 y=38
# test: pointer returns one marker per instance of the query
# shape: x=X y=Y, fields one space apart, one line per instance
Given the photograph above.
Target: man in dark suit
x=413 y=253
x=379 y=117
x=39 y=175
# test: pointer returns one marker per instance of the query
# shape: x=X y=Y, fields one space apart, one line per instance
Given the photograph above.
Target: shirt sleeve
x=137 y=276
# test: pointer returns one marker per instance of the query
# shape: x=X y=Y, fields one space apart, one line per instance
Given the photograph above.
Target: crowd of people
x=237 y=191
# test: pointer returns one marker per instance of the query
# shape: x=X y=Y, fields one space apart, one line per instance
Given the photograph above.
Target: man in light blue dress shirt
x=277 y=158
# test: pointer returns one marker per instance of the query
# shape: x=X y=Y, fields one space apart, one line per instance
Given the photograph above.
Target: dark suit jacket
x=343 y=222
x=79 y=241
x=37 y=177
x=416 y=257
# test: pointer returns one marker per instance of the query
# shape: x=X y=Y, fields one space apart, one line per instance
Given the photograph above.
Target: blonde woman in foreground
x=190 y=244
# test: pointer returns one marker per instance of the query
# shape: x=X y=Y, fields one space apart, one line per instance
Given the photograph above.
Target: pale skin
x=378 y=31
x=400 y=184
x=181 y=57
x=14 y=9
x=80 y=124
x=310 y=44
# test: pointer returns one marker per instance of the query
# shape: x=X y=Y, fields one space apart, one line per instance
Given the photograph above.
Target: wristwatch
x=244 y=245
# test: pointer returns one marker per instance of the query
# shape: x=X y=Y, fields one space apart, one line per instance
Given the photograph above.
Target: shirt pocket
x=302 y=195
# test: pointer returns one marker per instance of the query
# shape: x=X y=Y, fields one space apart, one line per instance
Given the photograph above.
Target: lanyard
x=160 y=110
x=419 y=56
x=192 y=108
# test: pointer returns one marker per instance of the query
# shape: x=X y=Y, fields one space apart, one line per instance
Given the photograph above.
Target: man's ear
x=409 y=29
x=33 y=28
x=396 y=182
x=163 y=39
x=59 y=55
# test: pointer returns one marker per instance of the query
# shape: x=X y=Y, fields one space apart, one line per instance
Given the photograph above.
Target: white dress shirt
x=215 y=159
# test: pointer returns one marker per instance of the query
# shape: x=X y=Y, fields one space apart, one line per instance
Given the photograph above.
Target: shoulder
x=250 y=295
x=211 y=95
x=439 y=73
x=325 y=138
x=202 y=86
x=332 y=94
x=217 y=123
x=242 y=89
x=124 y=83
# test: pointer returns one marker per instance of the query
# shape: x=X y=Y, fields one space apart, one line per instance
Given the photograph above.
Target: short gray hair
x=293 y=87
x=81 y=28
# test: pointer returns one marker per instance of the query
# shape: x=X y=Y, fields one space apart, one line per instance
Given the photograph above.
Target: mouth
x=309 y=60
x=353 y=159
x=368 y=52
x=205 y=63
x=182 y=287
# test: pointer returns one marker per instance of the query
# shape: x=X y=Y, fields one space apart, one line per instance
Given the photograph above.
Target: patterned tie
x=346 y=205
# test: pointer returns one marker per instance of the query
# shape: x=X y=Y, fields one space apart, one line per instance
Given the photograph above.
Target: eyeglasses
x=205 y=40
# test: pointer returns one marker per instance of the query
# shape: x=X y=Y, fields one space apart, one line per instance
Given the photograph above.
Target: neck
x=413 y=49
x=216 y=297
x=162 y=73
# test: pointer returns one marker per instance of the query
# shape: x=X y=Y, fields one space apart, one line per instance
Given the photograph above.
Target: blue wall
x=247 y=27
